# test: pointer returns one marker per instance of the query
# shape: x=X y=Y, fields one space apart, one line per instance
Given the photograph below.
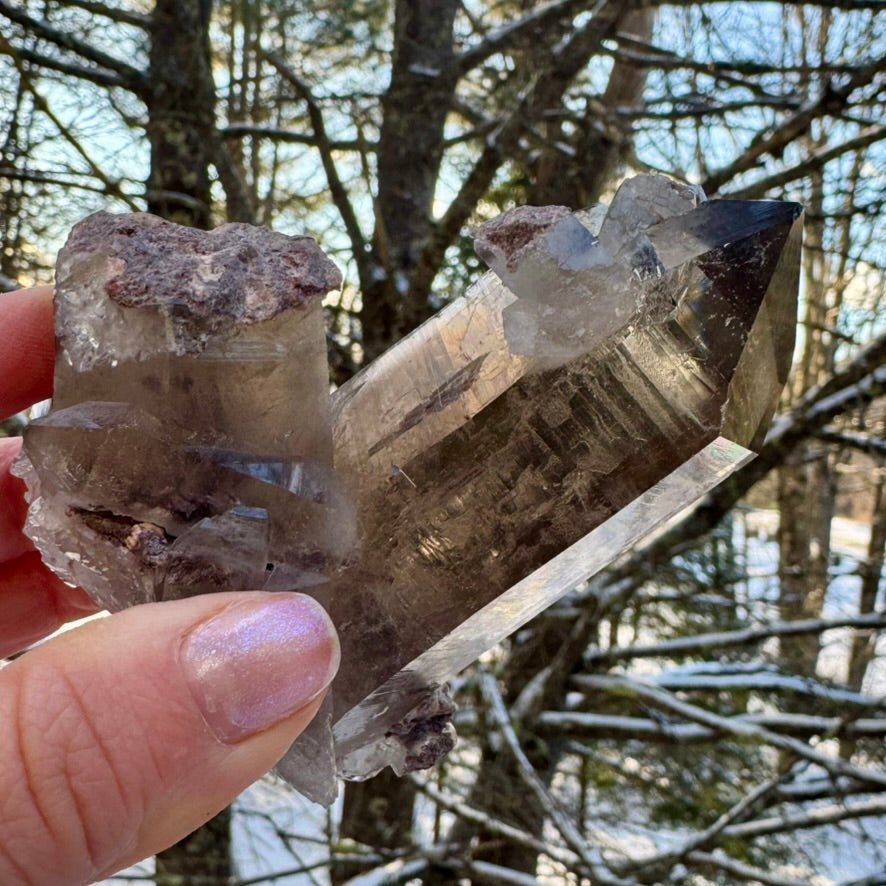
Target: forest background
x=709 y=710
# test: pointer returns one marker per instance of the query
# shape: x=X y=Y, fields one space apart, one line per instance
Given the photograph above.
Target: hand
x=124 y=735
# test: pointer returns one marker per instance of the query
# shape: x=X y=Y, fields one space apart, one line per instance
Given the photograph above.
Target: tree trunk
x=414 y=109
x=181 y=112
x=861 y=652
x=376 y=813
x=806 y=493
x=202 y=858
x=600 y=145
x=806 y=485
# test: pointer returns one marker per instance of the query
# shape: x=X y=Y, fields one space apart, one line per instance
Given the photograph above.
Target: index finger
x=27 y=348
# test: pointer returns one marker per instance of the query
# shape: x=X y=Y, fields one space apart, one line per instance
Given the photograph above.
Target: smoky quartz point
x=611 y=369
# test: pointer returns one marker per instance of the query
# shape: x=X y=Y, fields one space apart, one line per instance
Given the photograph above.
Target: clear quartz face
x=597 y=381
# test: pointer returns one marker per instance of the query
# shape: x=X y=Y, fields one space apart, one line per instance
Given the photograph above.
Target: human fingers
x=126 y=734
x=13 y=507
x=27 y=348
x=33 y=601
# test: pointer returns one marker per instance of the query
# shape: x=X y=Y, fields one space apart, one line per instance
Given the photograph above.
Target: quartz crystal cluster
x=189 y=446
x=612 y=368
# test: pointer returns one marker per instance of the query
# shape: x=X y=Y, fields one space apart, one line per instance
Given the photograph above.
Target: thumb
x=123 y=736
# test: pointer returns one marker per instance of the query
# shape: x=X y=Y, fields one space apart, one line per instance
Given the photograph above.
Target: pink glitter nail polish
x=258 y=662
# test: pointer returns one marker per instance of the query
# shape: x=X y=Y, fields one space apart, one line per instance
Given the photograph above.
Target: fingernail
x=258 y=662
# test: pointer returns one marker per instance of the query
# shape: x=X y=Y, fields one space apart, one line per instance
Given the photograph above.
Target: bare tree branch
x=555 y=813
x=845 y=5
x=336 y=187
x=43 y=178
x=877 y=879
x=649 y=55
x=661 y=864
x=765 y=681
x=860 y=380
x=815 y=161
x=741 y=870
x=812 y=818
x=699 y=643
x=111 y=188
x=854 y=439
x=121 y=16
x=495 y=873
x=626 y=686
x=580 y=723
x=697 y=107
x=91 y=75
x=459 y=807
x=543 y=93
x=642 y=52
x=831 y=102
x=134 y=79
x=242 y=130
x=392 y=872
x=503 y=38
x=823 y=788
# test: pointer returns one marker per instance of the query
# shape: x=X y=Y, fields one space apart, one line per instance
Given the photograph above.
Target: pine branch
x=661 y=865
x=613 y=726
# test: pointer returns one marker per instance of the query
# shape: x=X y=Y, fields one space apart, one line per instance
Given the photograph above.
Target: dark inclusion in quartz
x=616 y=366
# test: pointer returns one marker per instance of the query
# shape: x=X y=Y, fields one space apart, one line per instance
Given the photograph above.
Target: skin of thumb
x=124 y=735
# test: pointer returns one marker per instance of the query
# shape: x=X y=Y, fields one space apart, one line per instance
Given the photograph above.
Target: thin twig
x=324 y=146
x=457 y=806
x=555 y=813
x=692 y=645
x=741 y=870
